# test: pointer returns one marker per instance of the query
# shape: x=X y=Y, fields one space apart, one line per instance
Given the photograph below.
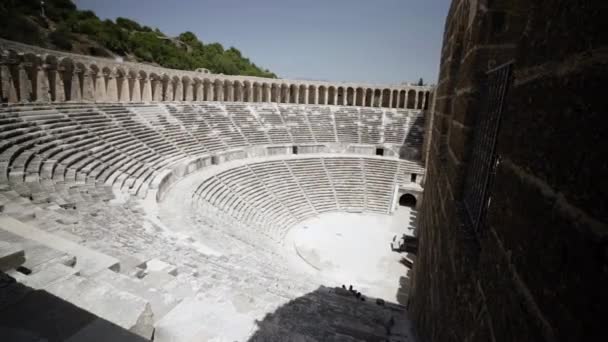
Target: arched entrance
x=407 y=200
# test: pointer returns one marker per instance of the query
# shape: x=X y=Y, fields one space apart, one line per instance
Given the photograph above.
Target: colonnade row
x=28 y=77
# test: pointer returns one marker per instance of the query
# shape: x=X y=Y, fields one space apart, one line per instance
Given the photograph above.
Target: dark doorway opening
x=379 y=151
x=413 y=178
x=215 y=160
x=294 y=149
x=407 y=200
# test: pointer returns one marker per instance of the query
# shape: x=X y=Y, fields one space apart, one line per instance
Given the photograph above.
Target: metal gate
x=482 y=163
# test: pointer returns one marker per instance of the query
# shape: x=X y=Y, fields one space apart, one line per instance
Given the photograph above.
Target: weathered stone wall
x=32 y=74
x=538 y=271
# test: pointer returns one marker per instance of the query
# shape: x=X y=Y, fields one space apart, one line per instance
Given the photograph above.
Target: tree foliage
x=22 y=21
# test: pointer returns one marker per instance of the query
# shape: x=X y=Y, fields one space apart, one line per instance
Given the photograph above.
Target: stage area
x=352 y=249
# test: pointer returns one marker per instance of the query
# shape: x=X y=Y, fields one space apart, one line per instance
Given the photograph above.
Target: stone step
x=50 y=274
x=11 y=256
x=161 y=300
x=87 y=261
x=104 y=300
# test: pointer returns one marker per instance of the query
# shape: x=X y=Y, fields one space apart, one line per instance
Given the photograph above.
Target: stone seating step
x=87 y=261
x=106 y=301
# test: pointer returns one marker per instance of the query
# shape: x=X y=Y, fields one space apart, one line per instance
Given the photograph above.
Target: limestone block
x=11 y=256
x=45 y=277
x=88 y=261
x=121 y=308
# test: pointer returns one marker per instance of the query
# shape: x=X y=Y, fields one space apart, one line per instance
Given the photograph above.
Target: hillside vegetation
x=64 y=27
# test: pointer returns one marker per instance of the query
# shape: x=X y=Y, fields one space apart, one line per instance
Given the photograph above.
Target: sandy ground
x=352 y=249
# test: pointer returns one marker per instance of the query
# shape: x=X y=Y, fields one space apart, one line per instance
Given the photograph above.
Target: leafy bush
x=61 y=38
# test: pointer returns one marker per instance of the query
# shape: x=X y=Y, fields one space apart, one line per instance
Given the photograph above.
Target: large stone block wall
x=538 y=271
x=32 y=74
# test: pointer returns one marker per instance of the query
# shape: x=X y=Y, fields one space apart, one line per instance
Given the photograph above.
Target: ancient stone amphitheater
x=162 y=202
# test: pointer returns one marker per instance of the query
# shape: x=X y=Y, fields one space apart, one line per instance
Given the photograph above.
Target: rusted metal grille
x=481 y=166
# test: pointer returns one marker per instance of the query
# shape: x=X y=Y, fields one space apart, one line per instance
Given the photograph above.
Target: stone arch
x=275 y=92
x=411 y=98
x=369 y=97
x=30 y=74
x=312 y=91
x=178 y=89
x=331 y=95
x=156 y=85
x=284 y=93
x=350 y=96
x=322 y=95
x=237 y=91
x=341 y=97
x=122 y=85
x=420 y=101
x=377 y=98
x=167 y=88
x=401 y=99
x=247 y=92
x=55 y=79
x=218 y=90
x=187 y=88
x=146 y=86
x=359 y=97
x=386 y=98
x=407 y=200
x=293 y=93
x=265 y=92
x=66 y=69
x=197 y=89
x=228 y=91
x=302 y=98
x=395 y=99
x=133 y=86
x=98 y=82
x=207 y=90
x=257 y=92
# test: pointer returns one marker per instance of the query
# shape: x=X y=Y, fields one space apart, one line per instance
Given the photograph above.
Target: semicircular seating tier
x=272 y=196
x=136 y=147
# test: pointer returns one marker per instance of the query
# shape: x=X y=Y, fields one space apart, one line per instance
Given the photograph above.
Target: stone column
x=306 y=90
x=26 y=91
x=75 y=89
x=59 y=85
x=267 y=94
x=363 y=97
x=335 y=96
x=123 y=83
x=136 y=90
x=296 y=94
x=111 y=87
x=100 y=86
x=157 y=95
x=9 y=90
x=169 y=92
x=423 y=100
x=250 y=95
x=179 y=91
x=88 y=86
x=43 y=87
x=416 y=100
x=390 y=98
x=200 y=96
x=209 y=91
x=146 y=94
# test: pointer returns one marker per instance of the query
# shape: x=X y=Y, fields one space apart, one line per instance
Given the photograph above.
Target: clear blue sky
x=377 y=41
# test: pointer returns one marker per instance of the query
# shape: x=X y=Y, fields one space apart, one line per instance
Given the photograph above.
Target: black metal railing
x=483 y=159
